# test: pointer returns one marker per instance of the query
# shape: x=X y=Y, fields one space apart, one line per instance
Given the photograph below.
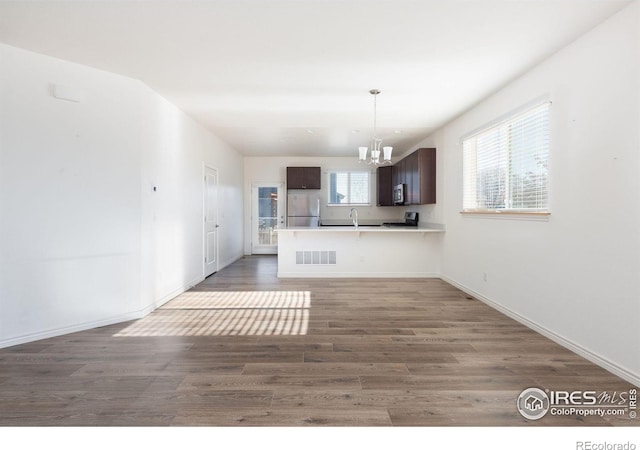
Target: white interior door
x=210 y=221
x=267 y=215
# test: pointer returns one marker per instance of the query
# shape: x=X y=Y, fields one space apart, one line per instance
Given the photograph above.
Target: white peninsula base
x=347 y=252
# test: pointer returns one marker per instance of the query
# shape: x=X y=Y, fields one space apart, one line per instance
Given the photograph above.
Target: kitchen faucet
x=353 y=215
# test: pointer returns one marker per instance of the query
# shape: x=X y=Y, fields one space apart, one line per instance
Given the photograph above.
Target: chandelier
x=376 y=142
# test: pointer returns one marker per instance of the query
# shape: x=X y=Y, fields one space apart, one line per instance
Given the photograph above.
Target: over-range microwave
x=398 y=194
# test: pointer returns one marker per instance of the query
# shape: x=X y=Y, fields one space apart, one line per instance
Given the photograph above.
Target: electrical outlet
x=484 y=276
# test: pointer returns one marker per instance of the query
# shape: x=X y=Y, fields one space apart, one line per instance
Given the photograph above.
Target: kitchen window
x=505 y=164
x=349 y=188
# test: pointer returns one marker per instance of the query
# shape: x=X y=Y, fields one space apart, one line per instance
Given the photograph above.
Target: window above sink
x=349 y=187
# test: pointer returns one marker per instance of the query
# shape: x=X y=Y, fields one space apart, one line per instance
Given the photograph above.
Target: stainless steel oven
x=398 y=194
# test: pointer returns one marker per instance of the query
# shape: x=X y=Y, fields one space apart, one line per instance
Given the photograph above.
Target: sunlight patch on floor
x=237 y=313
x=241 y=299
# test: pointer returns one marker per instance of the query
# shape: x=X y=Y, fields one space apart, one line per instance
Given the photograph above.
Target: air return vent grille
x=316 y=257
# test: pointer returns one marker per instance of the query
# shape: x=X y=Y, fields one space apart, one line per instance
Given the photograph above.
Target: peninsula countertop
x=362 y=228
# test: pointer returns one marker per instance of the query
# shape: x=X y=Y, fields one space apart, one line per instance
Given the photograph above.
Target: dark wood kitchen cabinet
x=412 y=180
x=303 y=177
x=417 y=172
x=399 y=173
x=421 y=176
x=385 y=186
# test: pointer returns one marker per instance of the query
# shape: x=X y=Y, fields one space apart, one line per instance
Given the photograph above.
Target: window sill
x=542 y=216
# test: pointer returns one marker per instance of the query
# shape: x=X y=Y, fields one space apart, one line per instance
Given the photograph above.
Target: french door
x=267 y=215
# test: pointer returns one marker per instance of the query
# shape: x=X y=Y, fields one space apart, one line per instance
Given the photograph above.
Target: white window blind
x=506 y=164
x=349 y=188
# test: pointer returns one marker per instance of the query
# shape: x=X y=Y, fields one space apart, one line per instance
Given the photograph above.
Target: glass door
x=266 y=216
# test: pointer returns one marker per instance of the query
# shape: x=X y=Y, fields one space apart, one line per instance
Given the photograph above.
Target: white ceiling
x=274 y=77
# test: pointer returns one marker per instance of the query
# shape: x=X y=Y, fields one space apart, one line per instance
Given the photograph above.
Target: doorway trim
x=255 y=248
x=209 y=170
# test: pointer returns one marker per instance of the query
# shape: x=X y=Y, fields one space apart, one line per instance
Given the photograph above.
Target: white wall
x=84 y=240
x=575 y=276
x=273 y=169
x=172 y=222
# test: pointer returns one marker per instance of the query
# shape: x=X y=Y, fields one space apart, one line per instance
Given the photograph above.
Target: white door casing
x=210 y=220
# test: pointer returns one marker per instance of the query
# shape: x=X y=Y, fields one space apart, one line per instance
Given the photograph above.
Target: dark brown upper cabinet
x=421 y=176
x=399 y=173
x=412 y=179
x=385 y=186
x=417 y=172
x=303 y=177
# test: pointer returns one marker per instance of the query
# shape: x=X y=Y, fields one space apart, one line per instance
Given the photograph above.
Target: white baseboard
x=230 y=261
x=561 y=340
x=134 y=315
x=173 y=294
x=74 y=328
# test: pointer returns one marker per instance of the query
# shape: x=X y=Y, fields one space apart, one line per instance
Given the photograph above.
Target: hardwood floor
x=244 y=348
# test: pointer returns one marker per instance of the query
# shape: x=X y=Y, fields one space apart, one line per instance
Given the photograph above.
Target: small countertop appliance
x=410 y=220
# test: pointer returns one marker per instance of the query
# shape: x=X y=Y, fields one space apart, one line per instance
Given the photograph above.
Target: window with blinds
x=506 y=164
x=349 y=188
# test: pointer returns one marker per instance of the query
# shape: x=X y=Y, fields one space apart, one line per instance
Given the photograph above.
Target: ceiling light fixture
x=376 y=142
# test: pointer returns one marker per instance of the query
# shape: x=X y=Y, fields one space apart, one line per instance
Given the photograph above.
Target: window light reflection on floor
x=229 y=313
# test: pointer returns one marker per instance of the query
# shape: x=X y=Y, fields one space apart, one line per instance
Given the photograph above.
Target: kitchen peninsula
x=359 y=252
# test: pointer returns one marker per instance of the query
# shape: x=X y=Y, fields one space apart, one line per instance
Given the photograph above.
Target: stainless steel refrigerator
x=303 y=208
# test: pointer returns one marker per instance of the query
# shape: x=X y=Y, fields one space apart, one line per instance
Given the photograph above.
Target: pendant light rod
x=376 y=142
x=375 y=93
